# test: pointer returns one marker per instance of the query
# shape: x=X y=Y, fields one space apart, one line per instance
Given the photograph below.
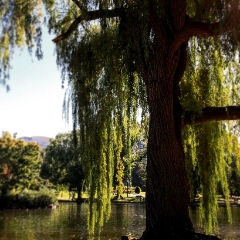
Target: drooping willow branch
x=213 y=114
x=89 y=16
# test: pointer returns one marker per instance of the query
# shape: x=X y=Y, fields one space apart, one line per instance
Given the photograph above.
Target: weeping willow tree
x=175 y=59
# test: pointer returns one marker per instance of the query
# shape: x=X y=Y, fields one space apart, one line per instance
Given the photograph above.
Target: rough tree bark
x=167 y=197
x=167 y=185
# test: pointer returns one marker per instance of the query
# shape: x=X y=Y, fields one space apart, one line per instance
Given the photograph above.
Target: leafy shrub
x=28 y=199
x=137 y=190
x=46 y=197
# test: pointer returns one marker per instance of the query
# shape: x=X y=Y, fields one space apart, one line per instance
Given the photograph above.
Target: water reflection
x=227 y=231
x=69 y=222
x=62 y=223
x=126 y=219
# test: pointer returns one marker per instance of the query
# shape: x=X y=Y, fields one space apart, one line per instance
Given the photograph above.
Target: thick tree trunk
x=79 y=192
x=167 y=196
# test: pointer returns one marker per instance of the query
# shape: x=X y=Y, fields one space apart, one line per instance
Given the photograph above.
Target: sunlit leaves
x=20 y=164
x=20 y=27
x=104 y=105
x=212 y=80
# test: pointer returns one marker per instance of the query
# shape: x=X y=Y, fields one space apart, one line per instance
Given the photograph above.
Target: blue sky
x=33 y=107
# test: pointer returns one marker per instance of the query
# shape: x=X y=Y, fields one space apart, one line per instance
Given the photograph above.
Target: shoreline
x=234 y=202
x=221 y=203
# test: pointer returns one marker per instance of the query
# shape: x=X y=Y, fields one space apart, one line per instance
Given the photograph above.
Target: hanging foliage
x=104 y=106
x=209 y=146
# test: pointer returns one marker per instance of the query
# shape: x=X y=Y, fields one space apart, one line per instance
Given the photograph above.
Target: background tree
x=139 y=176
x=20 y=164
x=138 y=161
x=176 y=59
x=133 y=155
x=62 y=163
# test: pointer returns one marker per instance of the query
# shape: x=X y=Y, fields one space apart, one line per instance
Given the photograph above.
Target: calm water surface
x=69 y=222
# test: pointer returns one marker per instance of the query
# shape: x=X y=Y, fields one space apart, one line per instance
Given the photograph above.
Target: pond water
x=68 y=222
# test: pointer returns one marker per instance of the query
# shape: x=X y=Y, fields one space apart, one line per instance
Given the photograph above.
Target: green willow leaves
x=211 y=79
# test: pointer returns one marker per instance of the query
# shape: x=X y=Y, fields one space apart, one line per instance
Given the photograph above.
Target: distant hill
x=41 y=140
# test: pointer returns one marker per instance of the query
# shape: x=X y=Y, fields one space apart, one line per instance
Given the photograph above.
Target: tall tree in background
x=62 y=163
x=139 y=175
x=178 y=61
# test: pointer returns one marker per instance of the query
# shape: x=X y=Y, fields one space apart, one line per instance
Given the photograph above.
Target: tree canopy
x=62 y=163
x=178 y=61
x=20 y=164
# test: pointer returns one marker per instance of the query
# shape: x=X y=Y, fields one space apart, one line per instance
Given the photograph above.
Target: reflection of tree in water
x=52 y=224
x=49 y=223
x=125 y=218
x=68 y=221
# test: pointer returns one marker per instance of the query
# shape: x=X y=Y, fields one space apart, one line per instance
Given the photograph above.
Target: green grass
x=64 y=195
